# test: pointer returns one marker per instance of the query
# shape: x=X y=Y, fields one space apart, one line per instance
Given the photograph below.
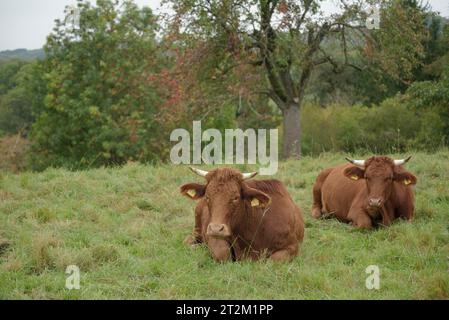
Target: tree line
x=116 y=81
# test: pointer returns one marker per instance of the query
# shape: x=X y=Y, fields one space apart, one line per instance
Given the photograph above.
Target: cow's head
x=227 y=196
x=379 y=174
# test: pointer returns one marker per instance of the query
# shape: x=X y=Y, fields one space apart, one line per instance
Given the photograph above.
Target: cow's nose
x=215 y=229
x=375 y=202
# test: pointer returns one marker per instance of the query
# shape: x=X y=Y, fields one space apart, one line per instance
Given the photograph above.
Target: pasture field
x=124 y=228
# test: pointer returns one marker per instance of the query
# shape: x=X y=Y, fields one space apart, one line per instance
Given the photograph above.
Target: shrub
x=389 y=127
x=13 y=153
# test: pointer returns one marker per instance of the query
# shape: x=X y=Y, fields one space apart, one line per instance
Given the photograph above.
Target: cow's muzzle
x=218 y=230
x=375 y=202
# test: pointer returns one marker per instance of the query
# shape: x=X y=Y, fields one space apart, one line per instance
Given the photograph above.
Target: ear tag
x=407 y=182
x=255 y=202
x=191 y=193
x=354 y=177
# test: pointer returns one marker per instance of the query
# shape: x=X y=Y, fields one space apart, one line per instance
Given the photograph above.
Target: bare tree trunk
x=292 y=131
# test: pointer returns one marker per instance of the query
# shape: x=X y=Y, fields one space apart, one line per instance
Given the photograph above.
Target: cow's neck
x=389 y=208
x=250 y=225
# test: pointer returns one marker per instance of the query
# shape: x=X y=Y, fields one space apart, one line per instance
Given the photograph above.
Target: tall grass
x=123 y=227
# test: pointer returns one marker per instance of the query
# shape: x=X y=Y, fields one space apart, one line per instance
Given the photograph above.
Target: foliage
x=390 y=127
x=21 y=88
x=432 y=98
x=102 y=106
x=377 y=81
x=214 y=86
x=13 y=153
x=110 y=91
x=286 y=41
x=8 y=75
x=397 y=46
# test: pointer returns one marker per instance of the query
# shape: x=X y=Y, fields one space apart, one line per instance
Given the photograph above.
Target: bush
x=13 y=153
x=388 y=128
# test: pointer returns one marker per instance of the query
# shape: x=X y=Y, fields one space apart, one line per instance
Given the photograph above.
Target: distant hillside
x=22 y=54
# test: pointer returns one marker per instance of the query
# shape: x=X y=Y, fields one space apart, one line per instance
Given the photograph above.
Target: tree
x=19 y=83
x=286 y=40
x=432 y=96
x=101 y=106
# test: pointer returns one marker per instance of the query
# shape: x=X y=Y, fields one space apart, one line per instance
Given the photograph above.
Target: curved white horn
x=201 y=173
x=359 y=163
x=248 y=175
x=401 y=161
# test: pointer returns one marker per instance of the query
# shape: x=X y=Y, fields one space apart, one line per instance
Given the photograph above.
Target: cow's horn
x=248 y=175
x=201 y=173
x=401 y=161
x=359 y=163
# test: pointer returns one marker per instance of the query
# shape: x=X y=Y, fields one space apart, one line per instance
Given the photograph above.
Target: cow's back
x=339 y=192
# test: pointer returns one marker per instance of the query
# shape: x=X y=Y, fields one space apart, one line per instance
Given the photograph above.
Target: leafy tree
x=8 y=74
x=286 y=41
x=19 y=91
x=431 y=99
x=437 y=48
x=101 y=105
x=350 y=86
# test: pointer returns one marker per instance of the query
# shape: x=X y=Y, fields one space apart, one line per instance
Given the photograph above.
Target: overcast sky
x=26 y=23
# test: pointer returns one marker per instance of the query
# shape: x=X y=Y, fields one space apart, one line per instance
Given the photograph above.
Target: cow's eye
x=235 y=199
x=207 y=199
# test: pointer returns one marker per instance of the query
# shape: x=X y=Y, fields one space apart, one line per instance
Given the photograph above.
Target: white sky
x=26 y=23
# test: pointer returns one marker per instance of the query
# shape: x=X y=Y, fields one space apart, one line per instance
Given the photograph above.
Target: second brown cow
x=240 y=218
x=365 y=192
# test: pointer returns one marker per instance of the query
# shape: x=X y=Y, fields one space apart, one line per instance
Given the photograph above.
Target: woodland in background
x=112 y=87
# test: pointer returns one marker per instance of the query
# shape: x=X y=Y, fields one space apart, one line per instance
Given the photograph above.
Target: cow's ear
x=255 y=197
x=406 y=178
x=194 y=191
x=354 y=173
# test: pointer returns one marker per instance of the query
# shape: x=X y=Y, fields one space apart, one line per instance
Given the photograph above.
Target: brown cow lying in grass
x=365 y=192
x=240 y=218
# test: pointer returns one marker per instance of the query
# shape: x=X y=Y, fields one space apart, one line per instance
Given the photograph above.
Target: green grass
x=124 y=228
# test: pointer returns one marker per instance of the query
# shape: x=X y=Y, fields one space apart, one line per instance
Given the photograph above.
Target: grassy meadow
x=124 y=228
